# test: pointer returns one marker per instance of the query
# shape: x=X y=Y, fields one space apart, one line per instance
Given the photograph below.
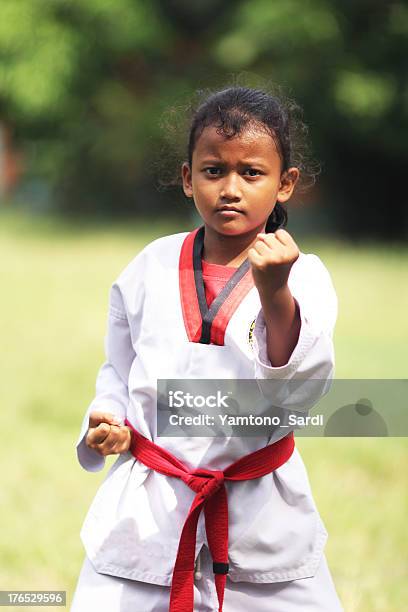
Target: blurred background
x=83 y=148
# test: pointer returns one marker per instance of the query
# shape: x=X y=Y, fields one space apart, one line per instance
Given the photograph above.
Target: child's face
x=236 y=182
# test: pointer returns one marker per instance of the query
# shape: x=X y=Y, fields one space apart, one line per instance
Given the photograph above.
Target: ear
x=187 y=180
x=288 y=181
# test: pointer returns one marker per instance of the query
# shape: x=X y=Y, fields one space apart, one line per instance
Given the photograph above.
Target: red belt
x=212 y=496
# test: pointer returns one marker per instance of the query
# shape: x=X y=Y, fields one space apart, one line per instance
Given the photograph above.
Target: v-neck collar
x=207 y=324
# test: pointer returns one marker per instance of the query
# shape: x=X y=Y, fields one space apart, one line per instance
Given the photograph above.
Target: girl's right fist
x=107 y=435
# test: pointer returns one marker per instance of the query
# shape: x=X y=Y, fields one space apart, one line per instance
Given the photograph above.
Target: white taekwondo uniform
x=159 y=328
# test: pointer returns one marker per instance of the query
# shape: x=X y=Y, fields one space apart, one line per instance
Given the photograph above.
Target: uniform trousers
x=104 y=593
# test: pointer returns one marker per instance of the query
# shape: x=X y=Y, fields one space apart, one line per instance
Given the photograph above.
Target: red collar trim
x=191 y=283
x=188 y=294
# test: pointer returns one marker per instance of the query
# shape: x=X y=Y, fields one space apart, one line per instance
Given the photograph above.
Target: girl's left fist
x=271 y=259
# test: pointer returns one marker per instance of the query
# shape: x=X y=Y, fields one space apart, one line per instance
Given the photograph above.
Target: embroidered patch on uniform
x=251 y=334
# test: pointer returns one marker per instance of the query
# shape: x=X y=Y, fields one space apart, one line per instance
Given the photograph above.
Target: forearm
x=282 y=319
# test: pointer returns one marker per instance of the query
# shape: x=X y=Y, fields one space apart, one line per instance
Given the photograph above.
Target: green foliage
x=39 y=56
x=85 y=82
x=45 y=45
x=277 y=29
x=364 y=96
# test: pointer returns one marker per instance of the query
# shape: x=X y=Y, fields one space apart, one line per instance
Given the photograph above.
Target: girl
x=233 y=299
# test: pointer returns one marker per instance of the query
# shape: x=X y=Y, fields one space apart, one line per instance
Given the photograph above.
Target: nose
x=230 y=188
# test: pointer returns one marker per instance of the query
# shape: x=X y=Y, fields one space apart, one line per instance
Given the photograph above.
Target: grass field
x=55 y=280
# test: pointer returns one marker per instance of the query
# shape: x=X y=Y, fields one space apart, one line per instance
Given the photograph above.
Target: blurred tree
x=83 y=83
x=346 y=62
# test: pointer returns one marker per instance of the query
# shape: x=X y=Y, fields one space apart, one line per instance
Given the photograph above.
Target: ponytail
x=277 y=219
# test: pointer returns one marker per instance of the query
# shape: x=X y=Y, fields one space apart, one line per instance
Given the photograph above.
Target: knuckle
x=110 y=418
x=91 y=419
x=117 y=434
x=97 y=448
x=104 y=428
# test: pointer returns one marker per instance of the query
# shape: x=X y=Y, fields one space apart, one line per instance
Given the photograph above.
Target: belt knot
x=205 y=482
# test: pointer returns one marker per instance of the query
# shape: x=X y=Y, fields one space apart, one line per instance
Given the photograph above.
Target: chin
x=232 y=228
x=229 y=229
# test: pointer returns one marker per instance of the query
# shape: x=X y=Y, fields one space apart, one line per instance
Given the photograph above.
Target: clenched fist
x=107 y=435
x=271 y=259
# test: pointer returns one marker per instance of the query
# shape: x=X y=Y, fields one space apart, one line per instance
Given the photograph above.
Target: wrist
x=276 y=300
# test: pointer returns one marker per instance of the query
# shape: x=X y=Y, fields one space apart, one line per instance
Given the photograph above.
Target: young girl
x=208 y=524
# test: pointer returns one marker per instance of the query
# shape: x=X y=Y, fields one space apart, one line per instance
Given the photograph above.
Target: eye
x=213 y=170
x=252 y=172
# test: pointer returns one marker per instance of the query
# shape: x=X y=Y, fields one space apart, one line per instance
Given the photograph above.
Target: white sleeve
x=112 y=393
x=310 y=368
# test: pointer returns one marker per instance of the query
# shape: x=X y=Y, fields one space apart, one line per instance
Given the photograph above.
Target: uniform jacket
x=155 y=330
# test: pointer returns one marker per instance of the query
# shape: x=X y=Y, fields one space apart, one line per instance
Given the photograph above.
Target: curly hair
x=233 y=110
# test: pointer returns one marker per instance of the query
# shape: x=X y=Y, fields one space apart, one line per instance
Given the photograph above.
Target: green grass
x=55 y=279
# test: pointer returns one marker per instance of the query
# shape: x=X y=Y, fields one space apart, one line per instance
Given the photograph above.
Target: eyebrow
x=254 y=161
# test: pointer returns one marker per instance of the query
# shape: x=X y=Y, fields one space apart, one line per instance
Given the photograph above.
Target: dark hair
x=236 y=108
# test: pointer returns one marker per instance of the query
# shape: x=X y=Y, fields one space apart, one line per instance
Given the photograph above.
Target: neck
x=228 y=250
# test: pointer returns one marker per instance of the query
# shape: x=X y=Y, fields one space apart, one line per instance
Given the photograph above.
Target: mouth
x=229 y=210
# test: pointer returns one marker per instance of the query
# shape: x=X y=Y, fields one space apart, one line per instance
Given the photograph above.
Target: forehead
x=252 y=143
